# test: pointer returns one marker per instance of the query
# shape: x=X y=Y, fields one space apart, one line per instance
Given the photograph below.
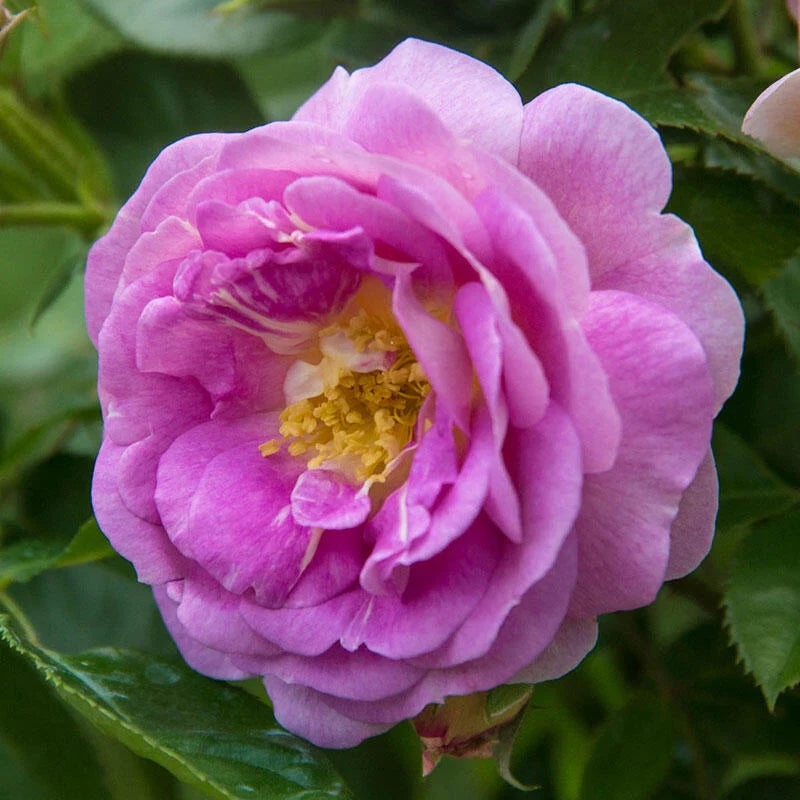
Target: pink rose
x=401 y=394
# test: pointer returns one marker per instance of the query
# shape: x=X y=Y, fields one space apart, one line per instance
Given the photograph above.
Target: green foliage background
x=690 y=698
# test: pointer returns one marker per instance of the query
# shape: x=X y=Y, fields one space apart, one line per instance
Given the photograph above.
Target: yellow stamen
x=362 y=420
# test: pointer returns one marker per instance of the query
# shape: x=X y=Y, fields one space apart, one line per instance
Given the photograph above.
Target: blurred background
x=690 y=698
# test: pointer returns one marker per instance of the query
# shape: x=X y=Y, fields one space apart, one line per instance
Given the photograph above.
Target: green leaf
x=191 y=27
x=748 y=490
x=746 y=229
x=707 y=104
x=27 y=558
x=88 y=544
x=622 y=48
x=58 y=281
x=59 y=40
x=782 y=297
x=45 y=741
x=38 y=441
x=182 y=97
x=207 y=733
x=265 y=75
x=763 y=604
x=631 y=755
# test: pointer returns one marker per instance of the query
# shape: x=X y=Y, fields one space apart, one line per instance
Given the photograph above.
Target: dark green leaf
x=622 y=48
x=181 y=98
x=763 y=604
x=529 y=39
x=23 y=560
x=35 y=443
x=265 y=76
x=631 y=755
x=191 y=27
x=749 y=490
x=208 y=734
x=711 y=105
x=47 y=744
x=746 y=229
x=782 y=296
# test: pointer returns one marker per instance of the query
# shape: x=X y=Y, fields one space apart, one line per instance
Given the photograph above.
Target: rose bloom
x=401 y=394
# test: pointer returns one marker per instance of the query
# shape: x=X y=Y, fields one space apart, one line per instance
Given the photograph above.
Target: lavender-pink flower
x=401 y=394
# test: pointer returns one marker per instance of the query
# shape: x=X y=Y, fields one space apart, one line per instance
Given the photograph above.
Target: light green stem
x=72 y=215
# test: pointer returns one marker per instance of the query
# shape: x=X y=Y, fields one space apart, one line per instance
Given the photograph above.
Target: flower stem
x=72 y=215
x=745 y=41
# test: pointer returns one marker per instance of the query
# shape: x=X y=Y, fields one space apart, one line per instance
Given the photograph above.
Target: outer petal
x=143 y=543
x=607 y=172
x=204 y=659
x=470 y=97
x=660 y=382
x=305 y=712
x=693 y=529
x=106 y=258
x=774 y=117
x=575 y=638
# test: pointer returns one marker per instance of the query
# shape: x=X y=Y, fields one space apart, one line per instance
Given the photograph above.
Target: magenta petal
x=172 y=343
x=213 y=663
x=576 y=378
x=333 y=569
x=182 y=466
x=240 y=525
x=361 y=675
x=107 y=256
x=518 y=644
x=231 y=229
x=320 y=499
x=661 y=384
x=304 y=712
x=307 y=631
x=441 y=592
x=210 y=614
x=136 y=478
x=440 y=351
x=473 y=100
x=579 y=145
x=546 y=460
x=136 y=405
x=141 y=542
x=693 y=528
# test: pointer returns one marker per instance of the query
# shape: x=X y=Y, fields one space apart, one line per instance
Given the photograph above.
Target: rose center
x=357 y=408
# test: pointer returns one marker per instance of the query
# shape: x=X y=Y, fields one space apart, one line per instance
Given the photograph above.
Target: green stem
x=745 y=41
x=72 y=215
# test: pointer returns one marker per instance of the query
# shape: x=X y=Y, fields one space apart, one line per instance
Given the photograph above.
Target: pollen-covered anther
x=363 y=418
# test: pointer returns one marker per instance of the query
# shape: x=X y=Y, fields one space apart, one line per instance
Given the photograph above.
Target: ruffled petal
x=579 y=145
x=693 y=528
x=473 y=100
x=107 y=256
x=660 y=382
